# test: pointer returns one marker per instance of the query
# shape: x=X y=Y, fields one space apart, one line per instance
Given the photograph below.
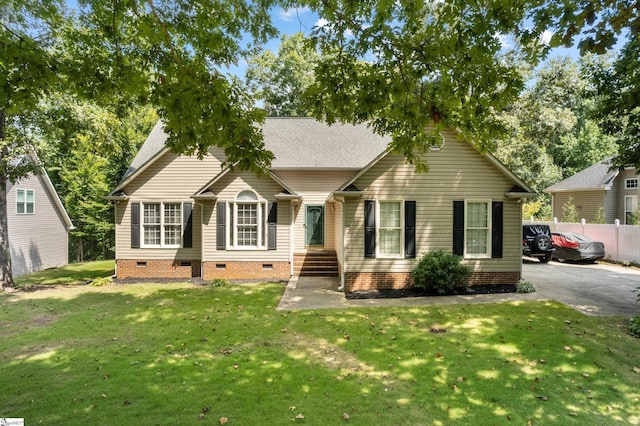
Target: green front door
x=314 y=223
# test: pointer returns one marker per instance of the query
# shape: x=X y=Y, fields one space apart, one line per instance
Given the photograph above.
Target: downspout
x=292 y=239
x=201 y=240
x=342 y=255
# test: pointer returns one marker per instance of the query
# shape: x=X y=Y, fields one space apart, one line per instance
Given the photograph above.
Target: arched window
x=248 y=222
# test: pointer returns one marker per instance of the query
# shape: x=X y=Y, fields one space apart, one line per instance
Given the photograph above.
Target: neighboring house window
x=631 y=183
x=630 y=207
x=390 y=229
x=162 y=224
x=477 y=228
x=25 y=201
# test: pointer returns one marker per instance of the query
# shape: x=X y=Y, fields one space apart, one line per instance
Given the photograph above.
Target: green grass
x=73 y=274
x=164 y=354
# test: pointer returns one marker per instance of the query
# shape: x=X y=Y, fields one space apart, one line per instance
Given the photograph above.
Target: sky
x=304 y=20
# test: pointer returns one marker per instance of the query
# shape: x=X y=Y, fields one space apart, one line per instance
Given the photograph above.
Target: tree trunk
x=6 y=277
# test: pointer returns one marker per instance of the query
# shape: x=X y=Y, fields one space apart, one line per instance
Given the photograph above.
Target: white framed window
x=631 y=183
x=162 y=224
x=477 y=233
x=630 y=207
x=25 y=201
x=390 y=229
x=248 y=219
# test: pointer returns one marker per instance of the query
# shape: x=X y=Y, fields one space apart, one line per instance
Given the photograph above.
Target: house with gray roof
x=336 y=201
x=599 y=190
x=38 y=224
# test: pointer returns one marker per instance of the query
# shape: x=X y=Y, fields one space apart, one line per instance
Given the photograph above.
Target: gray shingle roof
x=595 y=177
x=297 y=143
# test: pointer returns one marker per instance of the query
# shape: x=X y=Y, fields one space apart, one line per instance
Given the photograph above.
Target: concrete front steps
x=315 y=263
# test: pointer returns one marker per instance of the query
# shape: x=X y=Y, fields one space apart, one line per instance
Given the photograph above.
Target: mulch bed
x=416 y=292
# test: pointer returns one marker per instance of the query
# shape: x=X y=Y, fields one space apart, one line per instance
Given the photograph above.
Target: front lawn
x=160 y=354
x=72 y=274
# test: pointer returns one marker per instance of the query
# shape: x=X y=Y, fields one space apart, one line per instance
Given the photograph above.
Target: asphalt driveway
x=594 y=289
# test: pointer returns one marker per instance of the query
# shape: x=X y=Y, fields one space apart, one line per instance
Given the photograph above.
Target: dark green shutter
x=496 y=229
x=272 y=226
x=221 y=236
x=409 y=229
x=370 y=228
x=187 y=225
x=135 y=225
x=458 y=228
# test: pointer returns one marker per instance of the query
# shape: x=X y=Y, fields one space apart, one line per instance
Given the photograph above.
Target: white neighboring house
x=38 y=224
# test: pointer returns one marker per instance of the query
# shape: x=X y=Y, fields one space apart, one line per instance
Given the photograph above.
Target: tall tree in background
x=26 y=72
x=87 y=149
x=619 y=103
x=281 y=80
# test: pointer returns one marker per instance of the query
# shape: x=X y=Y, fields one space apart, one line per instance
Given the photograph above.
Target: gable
x=456 y=169
x=173 y=176
x=233 y=182
x=596 y=177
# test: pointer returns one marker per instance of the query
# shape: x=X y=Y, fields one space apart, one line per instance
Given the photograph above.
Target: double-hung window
x=631 y=183
x=390 y=229
x=248 y=219
x=630 y=207
x=477 y=234
x=25 y=201
x=162 y=224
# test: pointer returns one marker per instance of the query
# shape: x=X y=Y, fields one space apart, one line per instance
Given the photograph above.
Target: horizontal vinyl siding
x=621 y=191
x=456 y=172
x=227 y=188
x=315 y=187
x=611 y=206
x=171 y=178
x=40 y=240
x=586 y=203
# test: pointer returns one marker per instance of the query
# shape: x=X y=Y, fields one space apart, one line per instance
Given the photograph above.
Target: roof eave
x=520 y=194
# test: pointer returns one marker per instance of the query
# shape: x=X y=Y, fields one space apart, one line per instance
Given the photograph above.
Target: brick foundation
x=358 y=281
x=141 y=268
x=247 y=270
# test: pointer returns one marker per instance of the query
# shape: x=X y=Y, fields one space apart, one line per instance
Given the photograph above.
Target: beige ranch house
x=334 y=202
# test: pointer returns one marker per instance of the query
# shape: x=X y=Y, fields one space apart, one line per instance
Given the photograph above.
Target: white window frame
x=634 y=204
x=487 y=253
x=631 y=183
x=379 y=253
x=25 y=203
x=262 y=213
x=162 y=224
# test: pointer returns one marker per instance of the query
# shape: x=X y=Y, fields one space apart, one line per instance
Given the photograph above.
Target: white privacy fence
x=621 y=242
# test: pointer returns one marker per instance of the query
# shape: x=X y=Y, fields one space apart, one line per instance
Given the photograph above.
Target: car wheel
x=542 y=242
x=545 y=259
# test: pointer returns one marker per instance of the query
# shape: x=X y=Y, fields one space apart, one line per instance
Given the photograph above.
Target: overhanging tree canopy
x=396 y=64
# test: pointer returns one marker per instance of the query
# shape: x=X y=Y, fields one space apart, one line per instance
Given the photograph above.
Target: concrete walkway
x=322 y=292
x=593 y=289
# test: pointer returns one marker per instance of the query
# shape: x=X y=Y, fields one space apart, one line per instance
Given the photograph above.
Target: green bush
x=525 y=287
x=99 y=282
x=439 y=271
x=634 y=325
x=219 y=282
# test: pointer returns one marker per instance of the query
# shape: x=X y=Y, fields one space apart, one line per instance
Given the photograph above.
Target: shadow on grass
x=72 y=274
x=173 y=354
